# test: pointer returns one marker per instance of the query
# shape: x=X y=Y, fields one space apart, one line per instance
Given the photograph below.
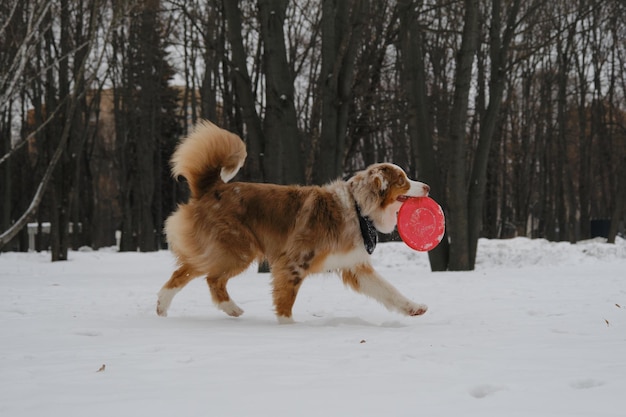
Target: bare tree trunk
x=499 y=47
x=283 y=157
x=66 y=181
x=422 y=144
x=458 y=196
x=618 y=173
x=6 y=174
x=254 y=137
x=341 y=30
x=145 y=119
x=567 y=207
x=619 y=208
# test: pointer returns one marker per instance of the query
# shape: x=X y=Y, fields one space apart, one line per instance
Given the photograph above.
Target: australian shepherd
x=299 y=230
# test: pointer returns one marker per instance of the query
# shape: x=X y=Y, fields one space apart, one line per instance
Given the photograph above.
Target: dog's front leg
x=286 y=282
x=366 y=280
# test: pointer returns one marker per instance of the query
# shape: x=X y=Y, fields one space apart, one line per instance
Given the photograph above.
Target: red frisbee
x=421 y=223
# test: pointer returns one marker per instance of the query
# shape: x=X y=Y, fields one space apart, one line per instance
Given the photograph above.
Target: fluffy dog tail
x=208 y=155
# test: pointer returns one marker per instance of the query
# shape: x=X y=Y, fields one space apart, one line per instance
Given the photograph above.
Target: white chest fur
x=344 y=260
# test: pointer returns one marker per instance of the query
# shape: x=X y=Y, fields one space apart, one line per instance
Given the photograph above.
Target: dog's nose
x=426 y=189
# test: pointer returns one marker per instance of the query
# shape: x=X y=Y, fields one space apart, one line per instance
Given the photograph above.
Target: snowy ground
x=538 y=329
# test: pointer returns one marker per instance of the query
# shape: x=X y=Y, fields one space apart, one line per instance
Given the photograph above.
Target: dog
x=299 y=230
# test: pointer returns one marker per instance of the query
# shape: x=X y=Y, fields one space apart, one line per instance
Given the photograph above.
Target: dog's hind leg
x=179 y=279
x=366 y=280
x=229 y=265
x=220 y=295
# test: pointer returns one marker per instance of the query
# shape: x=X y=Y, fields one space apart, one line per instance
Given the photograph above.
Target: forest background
x=513 y=111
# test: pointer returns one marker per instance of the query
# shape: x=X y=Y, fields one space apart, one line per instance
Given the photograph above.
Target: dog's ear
x=379 y=180
x=374 y=180
x=352 y=181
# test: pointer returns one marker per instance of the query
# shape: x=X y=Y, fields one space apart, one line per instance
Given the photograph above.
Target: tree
x=466 y=161
x=342 y=23
x=512 y=111
x=21 y=24
x=456 y=146
x=145 y=120
x=62 y=97
x=413 y=72
x=72 y=116
x=245 y=94
x=283 y=161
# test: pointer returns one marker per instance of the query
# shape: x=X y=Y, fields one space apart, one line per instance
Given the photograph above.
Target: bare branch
x=31 y=135
x=24 y=53
x=74 y=97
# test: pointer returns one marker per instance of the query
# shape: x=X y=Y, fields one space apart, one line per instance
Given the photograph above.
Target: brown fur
x=226 y=226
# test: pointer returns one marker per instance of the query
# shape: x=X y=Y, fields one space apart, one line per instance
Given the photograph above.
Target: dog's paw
x=230 y=308
x=416 y=309
x=285 y=320
x=164 y=299
x=160 y=310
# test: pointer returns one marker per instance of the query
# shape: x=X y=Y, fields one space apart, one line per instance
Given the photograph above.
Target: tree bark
x=619 y=208
x=341 y=30
x=6 y=172
x=283 y=157
x=499 y=48
x=243 y=89
x=422 y=143
x=458 y=177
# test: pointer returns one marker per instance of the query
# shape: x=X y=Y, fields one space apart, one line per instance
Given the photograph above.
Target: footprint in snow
x=484 y=390
x=88 y=333
x=586 y=383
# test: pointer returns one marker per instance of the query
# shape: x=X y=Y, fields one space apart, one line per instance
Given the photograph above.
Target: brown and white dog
x=300 y=230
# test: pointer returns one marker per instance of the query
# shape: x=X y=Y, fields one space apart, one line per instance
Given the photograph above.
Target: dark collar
x=368 y=231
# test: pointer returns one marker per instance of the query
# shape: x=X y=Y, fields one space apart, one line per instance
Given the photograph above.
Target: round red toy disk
x=421 y=223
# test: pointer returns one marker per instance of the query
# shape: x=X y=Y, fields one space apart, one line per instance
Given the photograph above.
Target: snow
x=538 y=329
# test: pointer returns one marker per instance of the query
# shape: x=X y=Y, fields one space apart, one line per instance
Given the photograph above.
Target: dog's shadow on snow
x=349 y=322
x=313 y=322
